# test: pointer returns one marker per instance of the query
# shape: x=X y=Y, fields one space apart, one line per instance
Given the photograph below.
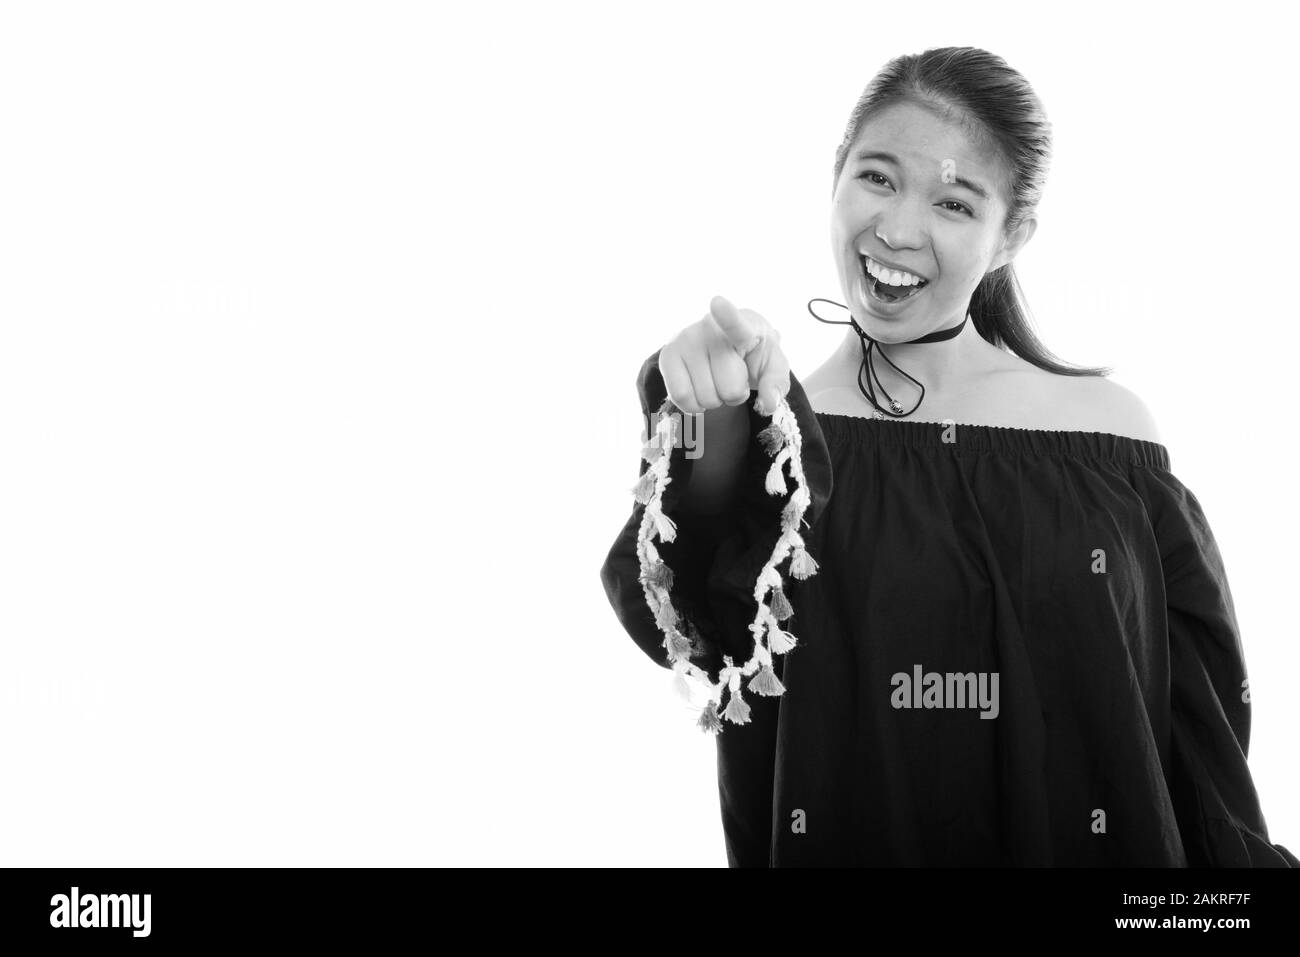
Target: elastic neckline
x=995 y=438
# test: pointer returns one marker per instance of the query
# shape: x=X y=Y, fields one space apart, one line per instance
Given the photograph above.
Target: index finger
x=739 y=331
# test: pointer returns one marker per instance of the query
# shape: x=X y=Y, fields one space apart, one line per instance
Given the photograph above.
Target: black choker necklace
x=895 y=408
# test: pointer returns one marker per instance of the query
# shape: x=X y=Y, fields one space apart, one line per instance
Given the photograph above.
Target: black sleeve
x=696 y=591
x=1213 y=795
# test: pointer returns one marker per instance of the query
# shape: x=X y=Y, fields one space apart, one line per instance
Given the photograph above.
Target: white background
x=317 y=407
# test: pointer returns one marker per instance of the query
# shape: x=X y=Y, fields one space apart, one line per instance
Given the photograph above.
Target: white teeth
x=892 y=277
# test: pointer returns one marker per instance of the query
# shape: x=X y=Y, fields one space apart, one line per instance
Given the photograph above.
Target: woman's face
x=914 y=202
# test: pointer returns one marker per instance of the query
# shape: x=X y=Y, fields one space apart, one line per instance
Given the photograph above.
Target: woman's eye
x=961 y=207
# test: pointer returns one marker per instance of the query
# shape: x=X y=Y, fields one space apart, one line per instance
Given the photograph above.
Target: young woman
x=949 y=608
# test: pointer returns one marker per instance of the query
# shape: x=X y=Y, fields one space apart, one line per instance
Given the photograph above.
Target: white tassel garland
x=780 y=440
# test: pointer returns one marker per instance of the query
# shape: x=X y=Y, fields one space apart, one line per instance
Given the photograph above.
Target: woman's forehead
x=917 y=137
x=932 y=138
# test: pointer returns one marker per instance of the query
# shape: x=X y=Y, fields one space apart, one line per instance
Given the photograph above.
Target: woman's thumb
x=774 y=381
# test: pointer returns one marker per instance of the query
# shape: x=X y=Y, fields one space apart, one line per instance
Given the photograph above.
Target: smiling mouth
x=884 y=292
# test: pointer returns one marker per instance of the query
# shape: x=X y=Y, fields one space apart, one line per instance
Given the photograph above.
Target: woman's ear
x=1015 y=242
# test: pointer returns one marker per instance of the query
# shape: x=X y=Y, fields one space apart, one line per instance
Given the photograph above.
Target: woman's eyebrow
x=974 y=187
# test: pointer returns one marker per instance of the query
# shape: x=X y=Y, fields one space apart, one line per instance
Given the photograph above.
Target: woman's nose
x=899 y=227
x=896 y=234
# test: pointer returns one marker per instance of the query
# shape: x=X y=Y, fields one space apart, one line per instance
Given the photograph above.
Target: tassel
x=667 y=616
x=802 y=565
x=779 y=641
x=772 y=438
x=737 y=710
x=766 y=683
x=775 y=483
x=789 y=514
x=709 y=721
x=660 y=575
x=781 y=609
x=664 y=525
x=793 y=512
x=679 y=644
x=697 y=640
x=645 y=487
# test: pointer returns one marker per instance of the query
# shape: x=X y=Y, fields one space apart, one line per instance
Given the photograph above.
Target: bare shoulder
x=828 y=392
x=1012 y=393
x=821 y=387
x=815 y=381
x=1110 y=407
x=1087 y=403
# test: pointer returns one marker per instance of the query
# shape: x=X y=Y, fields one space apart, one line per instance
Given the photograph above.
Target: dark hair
x=995 y=102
